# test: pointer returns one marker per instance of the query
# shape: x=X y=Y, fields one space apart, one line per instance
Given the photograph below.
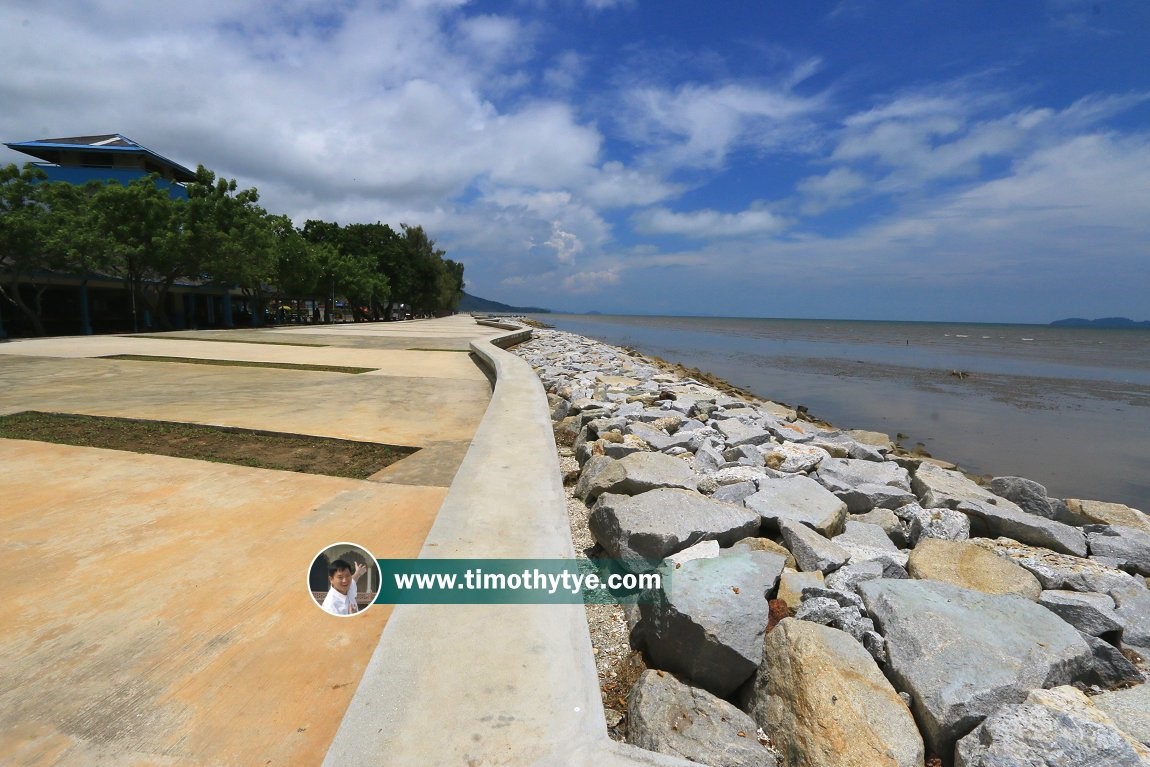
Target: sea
x=1066 y=407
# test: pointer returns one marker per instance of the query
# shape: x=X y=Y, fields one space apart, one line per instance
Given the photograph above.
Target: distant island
x=470 y=303
x=1104 y=322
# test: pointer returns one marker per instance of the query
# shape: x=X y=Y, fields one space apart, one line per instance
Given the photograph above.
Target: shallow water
x=1067 y=407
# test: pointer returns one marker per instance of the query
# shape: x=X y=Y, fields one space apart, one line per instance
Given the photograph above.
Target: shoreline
x=1076 y=434
x=647 y=445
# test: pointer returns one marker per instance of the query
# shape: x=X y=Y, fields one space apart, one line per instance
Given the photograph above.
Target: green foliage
x=218 y=235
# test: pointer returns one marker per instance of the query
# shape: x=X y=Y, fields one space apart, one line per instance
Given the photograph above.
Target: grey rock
x=599 y=475
x=1110 y=668
x=841 y=598
x=865 y=542
x=701 y=550
x=1132 y=606
x=1090 y=612
x=827 y=704
x=670 y=717
x=735 y=493
x=792 y=457
x=944 y=524
x=819 y=610
x=1059 y=571
x=1130 y=710
x=798 y=499
x=650 y=471
x=1007 y=520
x=707 y=458
x=619 y=450
x=736 y=433
x=655 y=524
x=747 y=455
x=1129 y=544
x=709 y=618
x=962 y=654
x=860 y=533
x=844 y=473
x=656 y=438
x=1027 y=494
x=938 y=487
x=895 y=529
x=812 y=551
x=1032 y=735
x=848 y=577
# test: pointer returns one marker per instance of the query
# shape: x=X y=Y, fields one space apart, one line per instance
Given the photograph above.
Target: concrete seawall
x=490 y=684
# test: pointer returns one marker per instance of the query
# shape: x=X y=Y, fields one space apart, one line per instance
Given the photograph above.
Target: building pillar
x=229 y=323
x=85 y=311
x=3 y=332
x=179 y=321
x=211 y=302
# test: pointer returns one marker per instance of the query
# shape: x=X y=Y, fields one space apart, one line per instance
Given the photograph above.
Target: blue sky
x=875 y=159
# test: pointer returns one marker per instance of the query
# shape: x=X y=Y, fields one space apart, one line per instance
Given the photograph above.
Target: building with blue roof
x=98 y=303
x=105 y=158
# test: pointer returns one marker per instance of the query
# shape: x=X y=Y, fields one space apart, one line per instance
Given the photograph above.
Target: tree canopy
x=218 y=236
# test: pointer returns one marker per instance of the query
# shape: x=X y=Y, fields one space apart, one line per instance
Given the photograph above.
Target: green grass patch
x=242 y=447
x=238 y=363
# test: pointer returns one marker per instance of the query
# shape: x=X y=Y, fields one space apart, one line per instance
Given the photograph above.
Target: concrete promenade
x=156 y=609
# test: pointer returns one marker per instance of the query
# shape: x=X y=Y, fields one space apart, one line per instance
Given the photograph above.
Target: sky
x=948 y=160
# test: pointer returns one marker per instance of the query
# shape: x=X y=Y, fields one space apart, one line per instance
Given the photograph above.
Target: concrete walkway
x=156 y=609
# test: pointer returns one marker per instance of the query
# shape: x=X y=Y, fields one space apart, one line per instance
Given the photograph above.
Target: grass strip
x=222 y=444
x=423 y=349
x=238 y=363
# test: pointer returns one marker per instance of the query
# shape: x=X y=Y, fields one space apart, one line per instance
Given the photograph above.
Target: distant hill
x=470 y=303
x=1104 y=322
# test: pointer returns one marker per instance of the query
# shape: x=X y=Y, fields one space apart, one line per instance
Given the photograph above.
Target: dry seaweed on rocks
x=856 y=603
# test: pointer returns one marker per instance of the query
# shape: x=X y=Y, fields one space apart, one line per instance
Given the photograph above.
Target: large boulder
x=938 y=487
x=1103 y=513
x=1027 y=494
x=961 y=654
x=825 y=703
x=964 y=564
x=599 y=475
x=1007 y=520
x=812 y=551
x=736 y=433
x=708 y=619
x=792 y=458
x=865 y=485
x=1130 y=710
x=942 y=523
x=798 y=499
x=670 y=717
x=655 y=524
x=865 y=542
x=1130 y=545
x=1051 y=728
x=1058 y=571
x=1090 y=612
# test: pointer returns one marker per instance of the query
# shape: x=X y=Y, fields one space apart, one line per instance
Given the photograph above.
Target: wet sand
x=1076 y=423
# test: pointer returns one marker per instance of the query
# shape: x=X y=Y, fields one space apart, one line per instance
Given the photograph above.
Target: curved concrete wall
x=484 y=685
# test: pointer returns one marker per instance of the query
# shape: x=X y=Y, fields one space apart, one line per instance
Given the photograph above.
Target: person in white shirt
x=340 y=599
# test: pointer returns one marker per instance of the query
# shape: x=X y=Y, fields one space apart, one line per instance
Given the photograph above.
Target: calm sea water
x=1067 y=407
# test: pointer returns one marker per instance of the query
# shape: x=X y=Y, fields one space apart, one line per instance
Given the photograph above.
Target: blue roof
x=51 y=149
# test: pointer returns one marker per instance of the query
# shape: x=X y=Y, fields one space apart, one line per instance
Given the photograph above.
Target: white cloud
x=706 y=224
x=700 y=125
